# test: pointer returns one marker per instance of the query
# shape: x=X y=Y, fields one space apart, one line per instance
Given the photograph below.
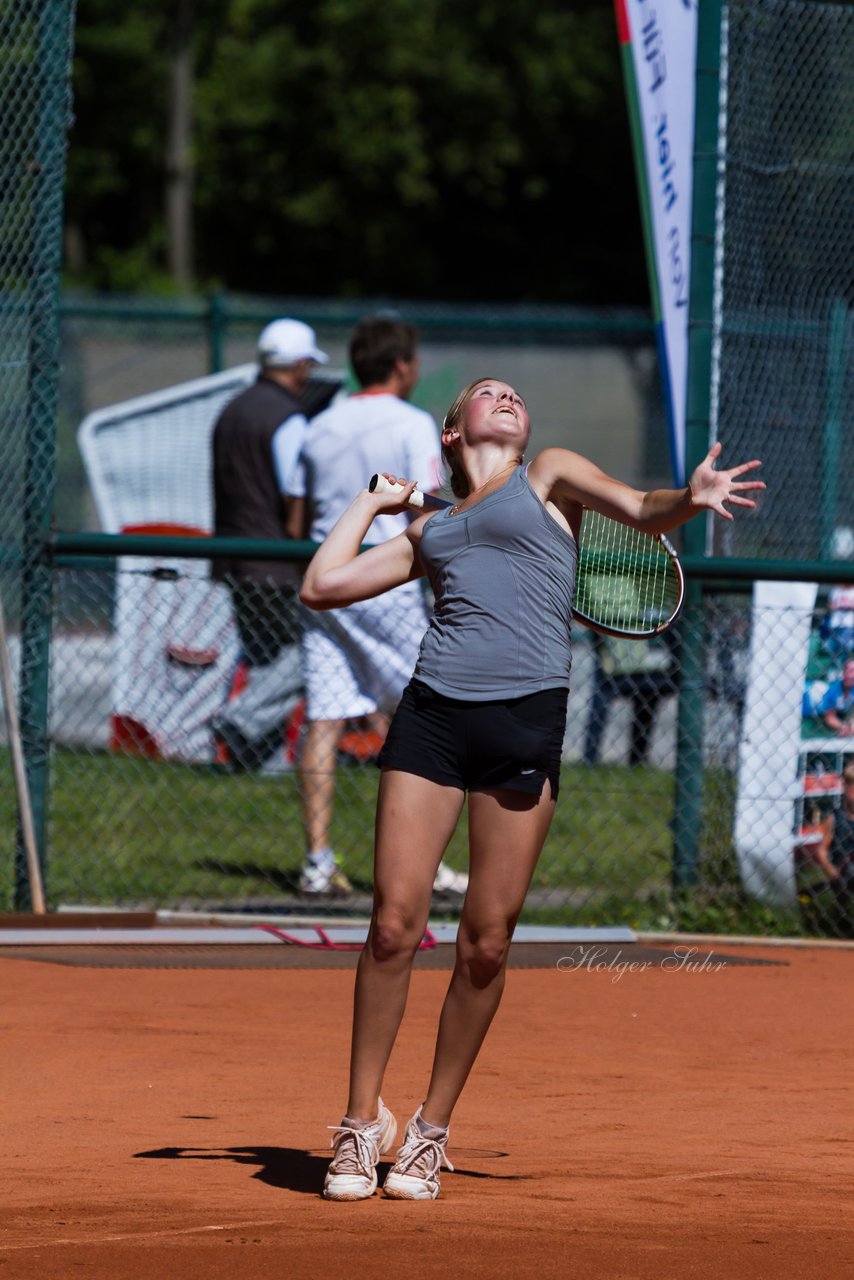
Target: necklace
x=495 y=474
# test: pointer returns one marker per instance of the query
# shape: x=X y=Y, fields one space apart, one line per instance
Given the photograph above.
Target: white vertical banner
x=661 y=39
x=770 y=737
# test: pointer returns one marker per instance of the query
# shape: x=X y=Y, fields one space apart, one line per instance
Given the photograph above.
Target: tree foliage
x=411 y=148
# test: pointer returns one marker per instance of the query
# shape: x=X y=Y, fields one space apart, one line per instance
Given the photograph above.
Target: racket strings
x=627 y=582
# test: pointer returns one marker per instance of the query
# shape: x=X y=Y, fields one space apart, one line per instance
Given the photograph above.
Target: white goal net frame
x=176 y=650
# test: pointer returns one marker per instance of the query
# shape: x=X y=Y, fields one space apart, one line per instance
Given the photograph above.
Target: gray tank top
x=503 y=575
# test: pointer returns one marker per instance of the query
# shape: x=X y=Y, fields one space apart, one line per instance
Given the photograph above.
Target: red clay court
x=646 y=1123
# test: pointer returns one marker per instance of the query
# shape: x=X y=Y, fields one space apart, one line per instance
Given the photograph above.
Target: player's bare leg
x=507 y=831
x=415 y=820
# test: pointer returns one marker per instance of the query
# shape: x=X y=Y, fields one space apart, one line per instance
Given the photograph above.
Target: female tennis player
x=483 y=716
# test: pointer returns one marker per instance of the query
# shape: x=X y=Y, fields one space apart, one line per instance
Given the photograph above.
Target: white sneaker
x=352 y=1173
x=415 y=1173
x=449 y=881
x=325 y=879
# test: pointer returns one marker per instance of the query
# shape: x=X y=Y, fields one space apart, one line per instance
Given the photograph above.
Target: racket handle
x=379 y=484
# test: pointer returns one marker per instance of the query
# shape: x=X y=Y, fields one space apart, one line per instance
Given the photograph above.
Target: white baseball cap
x=842 y=543
x=283 y=342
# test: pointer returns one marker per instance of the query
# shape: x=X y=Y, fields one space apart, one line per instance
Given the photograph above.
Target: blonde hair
x=460 y=483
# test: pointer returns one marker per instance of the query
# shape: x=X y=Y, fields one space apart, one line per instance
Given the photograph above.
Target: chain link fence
x=35 y=109
x=786 y=289
x=129 y=656
x=150 y=806
x=591 y=377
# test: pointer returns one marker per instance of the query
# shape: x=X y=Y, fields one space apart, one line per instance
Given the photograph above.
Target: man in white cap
x=256 y=442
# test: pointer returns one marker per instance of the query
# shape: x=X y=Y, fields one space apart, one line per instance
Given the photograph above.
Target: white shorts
x=360 y=659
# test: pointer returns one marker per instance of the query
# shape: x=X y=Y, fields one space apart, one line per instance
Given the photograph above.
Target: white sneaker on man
x=449 y=881
x=352 y=1173
x=326 y=877
x=323 y=876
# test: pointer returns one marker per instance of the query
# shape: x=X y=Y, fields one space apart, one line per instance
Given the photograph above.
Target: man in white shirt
x=357 y=661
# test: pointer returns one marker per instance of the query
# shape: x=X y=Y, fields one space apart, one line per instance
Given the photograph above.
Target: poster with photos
x=827 y=719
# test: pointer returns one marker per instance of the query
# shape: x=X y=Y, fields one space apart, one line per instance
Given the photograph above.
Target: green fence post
x=53 y=59
x=217 y=326
x=832 y=425
x=688 y=799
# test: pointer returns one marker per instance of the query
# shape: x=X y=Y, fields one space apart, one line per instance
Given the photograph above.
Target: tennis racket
x=629 y=584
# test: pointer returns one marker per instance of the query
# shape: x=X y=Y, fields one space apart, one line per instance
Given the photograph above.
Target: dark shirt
x=247 y=500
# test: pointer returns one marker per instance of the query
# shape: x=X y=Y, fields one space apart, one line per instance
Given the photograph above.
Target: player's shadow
x=293 y=1170
x=284 y=1167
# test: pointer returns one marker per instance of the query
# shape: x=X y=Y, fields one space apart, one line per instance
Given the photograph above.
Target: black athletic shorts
x=512 y=744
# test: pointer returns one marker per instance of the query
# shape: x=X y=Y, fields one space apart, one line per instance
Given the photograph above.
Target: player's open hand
x=711 y=489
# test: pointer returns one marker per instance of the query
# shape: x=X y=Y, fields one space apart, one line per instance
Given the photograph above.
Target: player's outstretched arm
x=339 y=575
x=566 y=477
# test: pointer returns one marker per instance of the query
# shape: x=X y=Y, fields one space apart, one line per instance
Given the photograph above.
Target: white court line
x=689 y=1177
x=257 y=935
x=741 y=940
x=277 y=1222
x=142 y=1235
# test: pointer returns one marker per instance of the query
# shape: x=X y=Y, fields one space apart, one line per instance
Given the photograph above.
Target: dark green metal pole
x=100 y=550
x=688 y=800
x=53 y=59
x=832 y=425
x=217 y=325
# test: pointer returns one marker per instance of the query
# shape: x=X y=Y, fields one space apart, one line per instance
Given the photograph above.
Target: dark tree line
x=451 y=149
